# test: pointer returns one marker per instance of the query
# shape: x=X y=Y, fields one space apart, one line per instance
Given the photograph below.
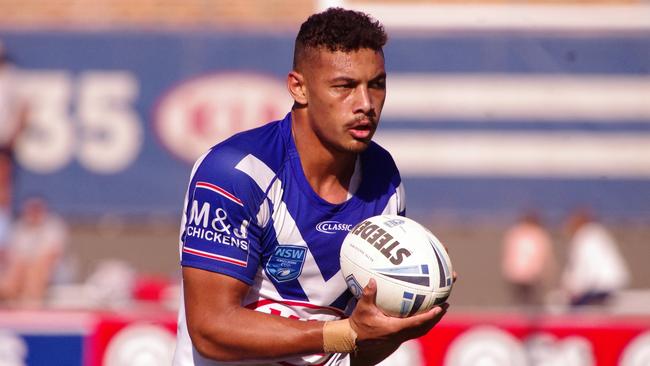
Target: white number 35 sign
x=100 y=129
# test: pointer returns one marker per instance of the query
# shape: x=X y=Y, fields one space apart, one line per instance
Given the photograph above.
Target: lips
x=361 y=133
x=361 y=130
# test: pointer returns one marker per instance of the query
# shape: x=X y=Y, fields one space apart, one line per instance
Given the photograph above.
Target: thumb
x=370 y=292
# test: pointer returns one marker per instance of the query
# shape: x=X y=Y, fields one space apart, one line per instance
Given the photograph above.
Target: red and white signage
x=201 y=112
x=461 y=339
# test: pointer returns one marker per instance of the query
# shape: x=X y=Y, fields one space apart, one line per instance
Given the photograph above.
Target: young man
x=267 y=210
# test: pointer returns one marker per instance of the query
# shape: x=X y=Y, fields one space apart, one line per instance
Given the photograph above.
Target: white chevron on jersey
x=312 y=282
x=262 y=175
x=396 y=200
x=268 y=179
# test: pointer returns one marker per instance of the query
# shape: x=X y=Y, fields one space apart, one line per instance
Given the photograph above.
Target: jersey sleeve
x=220 y=232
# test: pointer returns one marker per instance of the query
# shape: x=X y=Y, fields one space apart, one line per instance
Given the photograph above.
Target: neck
x=327 y=170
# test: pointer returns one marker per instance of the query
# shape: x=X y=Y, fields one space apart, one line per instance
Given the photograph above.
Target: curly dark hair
x=338 y=29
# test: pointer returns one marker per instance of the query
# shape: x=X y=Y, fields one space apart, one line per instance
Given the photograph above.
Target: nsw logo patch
x=286 y=262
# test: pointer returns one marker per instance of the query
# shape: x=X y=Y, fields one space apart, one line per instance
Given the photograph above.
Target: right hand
x=373 y=326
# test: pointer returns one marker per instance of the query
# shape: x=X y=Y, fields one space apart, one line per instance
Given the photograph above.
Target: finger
x=370 y=291
x=454 y=275
x=433 y=315
x=422 y=318
x=436 y=319
x=420 y=324
x=442 y=313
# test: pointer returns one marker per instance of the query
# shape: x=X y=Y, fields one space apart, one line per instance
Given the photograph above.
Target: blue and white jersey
x=251 y=214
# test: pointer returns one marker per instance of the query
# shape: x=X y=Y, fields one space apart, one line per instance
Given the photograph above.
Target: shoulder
x=241 y=166
x=379 y=164
x=265 y=145
x=379 y=155
x=381 y=179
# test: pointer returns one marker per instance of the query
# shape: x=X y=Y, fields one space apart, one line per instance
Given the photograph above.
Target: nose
x=364 y=101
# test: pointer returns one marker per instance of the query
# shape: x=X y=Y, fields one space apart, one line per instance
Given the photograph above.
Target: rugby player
x=266 y=212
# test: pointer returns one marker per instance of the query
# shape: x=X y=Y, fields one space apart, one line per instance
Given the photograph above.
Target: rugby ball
x=411 y=267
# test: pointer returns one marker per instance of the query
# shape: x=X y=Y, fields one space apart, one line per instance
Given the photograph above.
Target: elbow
x=210 y=346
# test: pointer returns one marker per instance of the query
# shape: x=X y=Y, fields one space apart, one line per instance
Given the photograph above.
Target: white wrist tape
x=339 y=337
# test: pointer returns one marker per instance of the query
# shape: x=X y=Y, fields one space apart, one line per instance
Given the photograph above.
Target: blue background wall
x=162 y=62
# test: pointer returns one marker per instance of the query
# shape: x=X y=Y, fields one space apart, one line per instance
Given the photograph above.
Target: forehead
x=362 y=62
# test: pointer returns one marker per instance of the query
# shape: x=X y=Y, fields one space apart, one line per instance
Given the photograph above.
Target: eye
x=344 y=86
x=378 y=84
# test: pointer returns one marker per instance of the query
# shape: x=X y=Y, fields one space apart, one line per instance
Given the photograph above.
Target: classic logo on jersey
x=286 y=262
x=331 y=227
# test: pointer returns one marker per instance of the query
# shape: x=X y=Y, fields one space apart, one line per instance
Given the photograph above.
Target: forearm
x=221 y=329
x=243 y=334
x=372 y=355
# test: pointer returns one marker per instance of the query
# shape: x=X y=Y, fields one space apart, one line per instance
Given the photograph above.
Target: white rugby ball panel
x=412 y=268
x=393 y=297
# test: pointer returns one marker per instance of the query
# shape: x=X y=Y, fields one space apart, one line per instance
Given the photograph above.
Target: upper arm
x=221 y=232
x=222 y=329
x=221 y=252
x=208 y=290
x=209 y=299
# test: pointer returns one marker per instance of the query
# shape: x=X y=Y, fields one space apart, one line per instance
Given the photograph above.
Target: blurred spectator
x=595 y=269
x=36 y=245
x=109 y=285
x=12 y=120
x=5 y=225
x=528 y=260
x=112 y=283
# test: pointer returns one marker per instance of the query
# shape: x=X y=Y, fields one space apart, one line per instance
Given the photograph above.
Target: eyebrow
x=348 y=79
x=342 y=79
x=381 y=75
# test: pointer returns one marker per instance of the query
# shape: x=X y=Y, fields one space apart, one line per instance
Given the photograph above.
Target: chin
x=358 y=147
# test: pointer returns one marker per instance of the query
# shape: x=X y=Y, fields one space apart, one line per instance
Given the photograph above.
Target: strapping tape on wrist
x=339 y=337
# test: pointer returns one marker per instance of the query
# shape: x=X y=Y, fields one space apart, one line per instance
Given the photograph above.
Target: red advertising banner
x=461 y=339
x=560 y=340
x=134 y=338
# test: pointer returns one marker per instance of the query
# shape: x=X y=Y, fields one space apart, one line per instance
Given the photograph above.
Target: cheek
x=333 y=107
x=378 y=98
x=324 y=103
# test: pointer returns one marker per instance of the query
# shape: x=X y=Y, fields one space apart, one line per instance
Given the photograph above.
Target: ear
x=296 y=86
